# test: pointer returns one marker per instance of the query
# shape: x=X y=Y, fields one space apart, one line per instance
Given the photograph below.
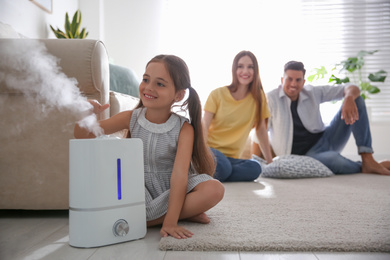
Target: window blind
x=341 y=29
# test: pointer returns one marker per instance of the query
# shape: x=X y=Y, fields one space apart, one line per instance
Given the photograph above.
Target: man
x=296 y=125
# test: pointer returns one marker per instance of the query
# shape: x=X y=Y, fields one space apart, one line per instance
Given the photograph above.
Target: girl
x=230 y=114
x=174 y=150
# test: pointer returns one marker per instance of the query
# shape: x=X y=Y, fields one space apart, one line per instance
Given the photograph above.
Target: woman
x=229 y=115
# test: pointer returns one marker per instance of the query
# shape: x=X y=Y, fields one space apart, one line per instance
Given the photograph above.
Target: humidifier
x=106 y=191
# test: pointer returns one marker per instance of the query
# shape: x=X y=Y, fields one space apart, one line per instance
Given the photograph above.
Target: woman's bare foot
x=369 y=165
x=201 y=218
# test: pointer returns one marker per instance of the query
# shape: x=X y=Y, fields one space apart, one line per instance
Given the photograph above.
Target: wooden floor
x=44 y=235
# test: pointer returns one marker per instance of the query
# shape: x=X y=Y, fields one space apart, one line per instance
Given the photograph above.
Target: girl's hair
x=202 y=159
x=255 y=87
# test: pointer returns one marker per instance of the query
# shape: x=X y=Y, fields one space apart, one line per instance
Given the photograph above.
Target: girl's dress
x=160 y=145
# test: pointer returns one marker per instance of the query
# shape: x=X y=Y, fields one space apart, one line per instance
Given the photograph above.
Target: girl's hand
x=97 y=107
x=175 y=231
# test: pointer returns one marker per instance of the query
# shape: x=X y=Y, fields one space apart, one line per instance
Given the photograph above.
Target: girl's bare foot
x=201 y=218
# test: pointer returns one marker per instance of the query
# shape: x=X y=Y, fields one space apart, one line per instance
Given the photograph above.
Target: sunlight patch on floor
x=47 y=250
x=266 y=192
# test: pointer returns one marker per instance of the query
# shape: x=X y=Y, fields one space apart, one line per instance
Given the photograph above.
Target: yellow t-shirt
x=232 y=121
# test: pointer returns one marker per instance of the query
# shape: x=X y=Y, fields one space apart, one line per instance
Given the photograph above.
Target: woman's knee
x=245 y=170
x=224 y=167
x=254 y=170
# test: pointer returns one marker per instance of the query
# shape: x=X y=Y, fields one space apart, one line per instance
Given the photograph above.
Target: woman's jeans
x=231 y=169
x=328 y=147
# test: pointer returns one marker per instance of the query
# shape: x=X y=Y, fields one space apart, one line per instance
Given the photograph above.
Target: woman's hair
x=255 y=87
x=202 y=158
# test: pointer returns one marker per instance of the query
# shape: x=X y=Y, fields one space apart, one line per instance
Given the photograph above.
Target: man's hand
x=349 y=111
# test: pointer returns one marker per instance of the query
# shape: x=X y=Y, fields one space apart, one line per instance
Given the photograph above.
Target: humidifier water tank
x=106 y=191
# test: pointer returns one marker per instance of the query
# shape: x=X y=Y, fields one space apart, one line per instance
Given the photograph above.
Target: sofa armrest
x=87 y=62
x=121 y=102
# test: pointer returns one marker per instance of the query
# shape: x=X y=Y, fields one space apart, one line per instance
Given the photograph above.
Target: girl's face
x=157 y=89
x=245 y=70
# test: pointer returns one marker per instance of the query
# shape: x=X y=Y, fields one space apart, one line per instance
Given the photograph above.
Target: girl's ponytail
x=202 y=158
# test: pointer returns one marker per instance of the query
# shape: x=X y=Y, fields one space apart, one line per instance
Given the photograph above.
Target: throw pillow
x=124 y=80
x=294 y=166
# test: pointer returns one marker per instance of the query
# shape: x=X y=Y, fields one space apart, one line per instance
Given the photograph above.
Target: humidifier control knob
x=121 y=228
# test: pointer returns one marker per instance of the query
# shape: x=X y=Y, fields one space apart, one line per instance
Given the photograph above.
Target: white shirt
x=281 y=123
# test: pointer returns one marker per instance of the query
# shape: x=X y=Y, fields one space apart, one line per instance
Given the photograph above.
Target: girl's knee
x=214 y=190
x=217 y=190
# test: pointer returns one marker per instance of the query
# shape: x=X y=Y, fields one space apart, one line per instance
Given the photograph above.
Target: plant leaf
x=70 y=35
x=352 y=64
x=76 y=22
x=365 y=53
x=364 y=86
x=311 y=78
x=379 y=76
x=51 y=27
x=319 y=73
x=337 y=80
x=373 y=89
x=82 y=34
x=67 y=24
x=60 y=34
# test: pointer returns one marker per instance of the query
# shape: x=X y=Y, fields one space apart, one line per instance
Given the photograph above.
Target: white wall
x=131 y=32
x=92 y=12
x=129 y=29
x=31 y=21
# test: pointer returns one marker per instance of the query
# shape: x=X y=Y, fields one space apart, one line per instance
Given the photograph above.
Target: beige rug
x=339 y=213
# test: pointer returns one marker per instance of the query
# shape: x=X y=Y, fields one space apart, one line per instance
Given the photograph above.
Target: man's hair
x=295 y=65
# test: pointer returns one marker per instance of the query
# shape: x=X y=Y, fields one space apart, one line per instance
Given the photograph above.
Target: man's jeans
x=231 y=169
x=327 y=149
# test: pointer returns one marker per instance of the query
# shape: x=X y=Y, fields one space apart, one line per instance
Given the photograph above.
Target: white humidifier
x=106 y=191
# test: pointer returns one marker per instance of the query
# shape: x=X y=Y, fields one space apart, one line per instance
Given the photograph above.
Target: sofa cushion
x=294 y=166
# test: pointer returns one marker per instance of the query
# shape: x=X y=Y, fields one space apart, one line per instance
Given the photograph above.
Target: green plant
x=352 y=67
x=72 y=30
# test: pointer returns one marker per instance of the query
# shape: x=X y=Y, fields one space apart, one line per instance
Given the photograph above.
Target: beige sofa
x=34 y=144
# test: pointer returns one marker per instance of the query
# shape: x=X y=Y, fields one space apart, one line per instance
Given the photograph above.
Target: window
x=343 y=28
